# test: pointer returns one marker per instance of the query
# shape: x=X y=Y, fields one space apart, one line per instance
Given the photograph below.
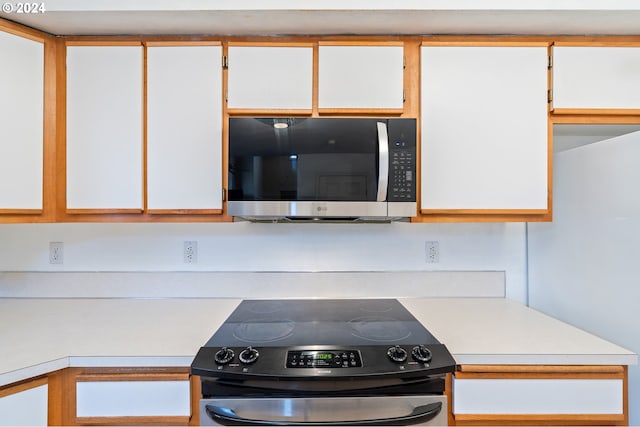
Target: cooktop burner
x=261 y=331
x=320 y=322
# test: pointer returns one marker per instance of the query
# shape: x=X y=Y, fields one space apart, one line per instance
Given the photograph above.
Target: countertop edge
x=185 y=361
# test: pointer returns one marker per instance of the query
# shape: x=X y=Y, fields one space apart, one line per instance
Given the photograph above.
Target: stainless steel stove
x=311 y=362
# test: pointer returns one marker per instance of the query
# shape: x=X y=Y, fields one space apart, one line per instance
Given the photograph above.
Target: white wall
x=583 y=267
x=270 y=247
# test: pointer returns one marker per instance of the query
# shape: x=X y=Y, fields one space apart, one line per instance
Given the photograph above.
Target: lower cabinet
x=128 y=396
x=540 y=395
x=25 y=403
x=477 y=395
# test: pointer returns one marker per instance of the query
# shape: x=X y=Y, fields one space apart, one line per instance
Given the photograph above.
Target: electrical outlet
x=190 y=252
x=432 y=252
x=56 y=252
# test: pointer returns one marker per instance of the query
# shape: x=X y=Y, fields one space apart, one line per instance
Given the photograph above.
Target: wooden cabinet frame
x=47 y=213
x=54 y=188
x=543 y=372
x=62 y=395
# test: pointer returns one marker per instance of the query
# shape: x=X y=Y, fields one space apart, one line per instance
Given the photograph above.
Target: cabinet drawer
x=537 y=396
x=133 y=398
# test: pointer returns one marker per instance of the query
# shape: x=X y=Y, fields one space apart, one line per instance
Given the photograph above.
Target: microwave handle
x=383 y=167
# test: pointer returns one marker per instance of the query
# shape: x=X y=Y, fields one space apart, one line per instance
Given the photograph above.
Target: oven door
x=326 y=411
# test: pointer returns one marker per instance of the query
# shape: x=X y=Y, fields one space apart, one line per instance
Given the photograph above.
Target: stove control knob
x=421 y=353
x=248 y=355
x=224 y=356
x=397 y=354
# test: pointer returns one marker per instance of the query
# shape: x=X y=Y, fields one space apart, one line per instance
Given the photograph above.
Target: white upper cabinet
x=596 y=77
x=484 y=128
x=21 y=123
x=104 y=127
x=184 y=127
x=270 y=77
x=360 y=77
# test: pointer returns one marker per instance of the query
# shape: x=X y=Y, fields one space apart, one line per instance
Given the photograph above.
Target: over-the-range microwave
x=322 y=168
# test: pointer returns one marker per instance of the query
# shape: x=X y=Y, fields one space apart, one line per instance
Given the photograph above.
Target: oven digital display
x=324 y=356
x=324 y=359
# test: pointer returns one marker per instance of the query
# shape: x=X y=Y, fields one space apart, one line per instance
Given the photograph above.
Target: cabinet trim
x=497 y=43
x=181 y=43
x=72 y=376
x=266 y=112
x=558 y=372
x=103 y=43
x=597 y=111
x=359 y=43
x=21 y=211
x=22 y=31
x=535 y=419
x=361 y=111
x=22 y=386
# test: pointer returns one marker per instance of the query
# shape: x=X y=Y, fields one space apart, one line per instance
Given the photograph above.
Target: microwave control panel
x=402 y=172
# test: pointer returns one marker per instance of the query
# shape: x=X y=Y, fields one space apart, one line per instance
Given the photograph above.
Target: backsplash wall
x=246 y=246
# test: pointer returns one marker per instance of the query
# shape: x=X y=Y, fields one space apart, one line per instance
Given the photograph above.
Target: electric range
x=320 y=362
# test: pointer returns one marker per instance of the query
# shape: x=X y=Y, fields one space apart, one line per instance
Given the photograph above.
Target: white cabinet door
x=360 y=77
x=596 y=77
x=25 y=408
x=484 y=128
x=21 y=117
x=270 y=77
x=184 y=127
x=104 y=127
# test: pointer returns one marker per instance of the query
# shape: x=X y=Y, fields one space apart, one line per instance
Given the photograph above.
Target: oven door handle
x=420 y=414
x=383 y=162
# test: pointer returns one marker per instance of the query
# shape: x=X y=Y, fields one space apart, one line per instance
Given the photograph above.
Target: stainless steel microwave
x=322 y=168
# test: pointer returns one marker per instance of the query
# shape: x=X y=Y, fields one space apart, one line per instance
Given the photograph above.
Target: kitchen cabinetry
x=184 y=128
x=595 y=79
x=24 y=404
x=555 y=395
x=21 y=124
x=360 y=77
x=484 y=129
x=104 y=146
x=128 y=396
x=270 y=77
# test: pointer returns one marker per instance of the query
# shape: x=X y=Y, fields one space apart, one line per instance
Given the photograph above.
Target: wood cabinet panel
x=127 y=396
x=184 y=128
x=270 y=78
x=360 y=77
x=484 y=129
x=104 y=143
x=21 y=124
x=596 y=78
x=543 y=395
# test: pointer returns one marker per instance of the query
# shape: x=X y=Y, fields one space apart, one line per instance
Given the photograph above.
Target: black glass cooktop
x=339 y=322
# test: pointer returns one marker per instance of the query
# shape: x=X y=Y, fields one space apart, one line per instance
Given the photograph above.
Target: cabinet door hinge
x=225 y=62
x=550 y=96
x=224 y=194
x=550 y=62
x=404 y=95
x=404 y=62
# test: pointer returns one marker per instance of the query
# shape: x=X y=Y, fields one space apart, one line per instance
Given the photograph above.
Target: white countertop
x=42 y=335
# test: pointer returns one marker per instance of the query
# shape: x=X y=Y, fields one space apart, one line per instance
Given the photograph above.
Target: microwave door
x=383 y=162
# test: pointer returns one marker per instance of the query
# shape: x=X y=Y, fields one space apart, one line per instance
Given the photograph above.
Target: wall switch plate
x=56 y=253
x=190 y=252
x=432 y=251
